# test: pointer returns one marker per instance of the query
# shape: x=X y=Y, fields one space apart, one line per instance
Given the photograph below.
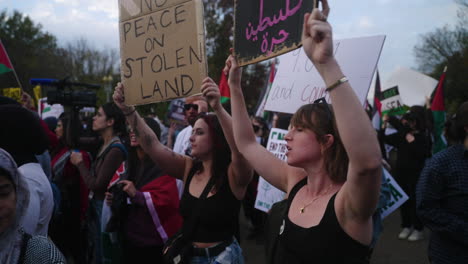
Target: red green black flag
x=7 y=73
x=438 y=112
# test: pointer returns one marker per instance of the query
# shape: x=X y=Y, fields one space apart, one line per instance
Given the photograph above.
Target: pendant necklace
x=301 y=210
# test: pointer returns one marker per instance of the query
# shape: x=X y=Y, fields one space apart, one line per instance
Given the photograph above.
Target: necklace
x=301 y=210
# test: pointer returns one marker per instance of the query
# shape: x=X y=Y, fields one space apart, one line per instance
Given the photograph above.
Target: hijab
x=11 y=238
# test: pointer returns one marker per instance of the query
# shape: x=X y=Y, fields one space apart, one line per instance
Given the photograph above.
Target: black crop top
x=324 y=243
x=218 y=214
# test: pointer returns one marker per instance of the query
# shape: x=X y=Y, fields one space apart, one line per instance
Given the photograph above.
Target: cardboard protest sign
x=391 y=102
x=265 y=29
x=397 y=198
x=267 y=194
x=162 y=49
x=297 y=82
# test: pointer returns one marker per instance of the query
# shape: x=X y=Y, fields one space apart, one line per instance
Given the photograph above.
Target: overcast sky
x=402 y=21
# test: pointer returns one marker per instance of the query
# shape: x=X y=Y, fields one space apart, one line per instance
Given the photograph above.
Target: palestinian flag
x=377 y=117
x=9 y=85
x=224 y=88
x=7 y=73
x=438 y=113
x=266 y=91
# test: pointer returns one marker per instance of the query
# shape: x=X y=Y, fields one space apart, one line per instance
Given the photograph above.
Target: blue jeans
x=231 y=255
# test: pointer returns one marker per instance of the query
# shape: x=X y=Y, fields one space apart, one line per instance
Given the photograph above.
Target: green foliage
x=448 y=46
x=33 y=52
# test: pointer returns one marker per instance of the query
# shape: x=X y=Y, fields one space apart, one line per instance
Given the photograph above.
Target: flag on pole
x=438 y=112
x=224 y=88
x=9 y=85
x=376 y=118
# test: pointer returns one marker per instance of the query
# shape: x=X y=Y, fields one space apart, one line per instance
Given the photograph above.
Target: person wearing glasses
x=211 y=222
x=333 y=171
x=193 y=106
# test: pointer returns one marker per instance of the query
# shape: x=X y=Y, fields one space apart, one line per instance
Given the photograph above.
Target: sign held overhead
x=162 y=49
x=265 y=29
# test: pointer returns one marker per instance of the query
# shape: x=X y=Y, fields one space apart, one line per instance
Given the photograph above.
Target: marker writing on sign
x=267 y=22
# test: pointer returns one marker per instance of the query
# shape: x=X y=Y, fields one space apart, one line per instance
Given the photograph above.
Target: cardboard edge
x=200 y=16
x=154 y=11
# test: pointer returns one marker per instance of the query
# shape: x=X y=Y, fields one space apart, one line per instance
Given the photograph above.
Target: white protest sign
x=297 y=82
x=391 y=102
x=46 y=110
x=267 y=194
x=412 y=85
x=162 y=49
x=397 y=197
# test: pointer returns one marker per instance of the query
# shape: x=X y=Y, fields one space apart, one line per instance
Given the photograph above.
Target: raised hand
x=119 y=99
x=211 y=92
x=317 y=35
x=233 y=70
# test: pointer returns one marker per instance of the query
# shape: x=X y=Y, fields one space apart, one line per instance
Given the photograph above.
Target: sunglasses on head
x=189 y=106
x=323 y=102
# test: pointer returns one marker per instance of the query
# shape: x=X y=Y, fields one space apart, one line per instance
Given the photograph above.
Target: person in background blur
x=442 y=197
x=153 y=212
x=16 y=245
x=69 y=216
x=23 y=136
x=412 y=144
x=109 y=123
x=256 y=217
x=193 y=106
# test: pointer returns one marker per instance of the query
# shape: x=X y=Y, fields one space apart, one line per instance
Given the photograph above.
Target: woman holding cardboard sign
x=215 y=179
x=332 y=176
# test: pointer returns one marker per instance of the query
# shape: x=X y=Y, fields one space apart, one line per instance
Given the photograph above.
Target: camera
x=68 y=97
x=118 y=208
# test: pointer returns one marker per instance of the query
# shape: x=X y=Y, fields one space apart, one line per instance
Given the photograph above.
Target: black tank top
x=324 y=243
x=218 y=214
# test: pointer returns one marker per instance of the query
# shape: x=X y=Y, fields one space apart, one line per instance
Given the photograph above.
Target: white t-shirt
x=182 y=142
x=41 y=200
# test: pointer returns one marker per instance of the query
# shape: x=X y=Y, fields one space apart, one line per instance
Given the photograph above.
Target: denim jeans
x=231 y=255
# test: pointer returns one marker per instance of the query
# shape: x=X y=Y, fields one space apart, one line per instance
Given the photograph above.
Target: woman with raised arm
x=210 y=223
x=332 y=176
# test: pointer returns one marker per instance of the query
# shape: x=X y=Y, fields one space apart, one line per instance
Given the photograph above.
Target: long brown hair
x=319 y=118
x=221 y=150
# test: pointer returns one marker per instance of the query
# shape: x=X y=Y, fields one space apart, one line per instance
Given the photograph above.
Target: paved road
x=388 y=250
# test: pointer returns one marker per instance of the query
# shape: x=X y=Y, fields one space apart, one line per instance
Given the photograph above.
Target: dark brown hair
x=319 y=118
x=221 y=150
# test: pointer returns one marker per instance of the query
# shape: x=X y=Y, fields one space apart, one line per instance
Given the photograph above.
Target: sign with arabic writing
x=297 y=82
x=265 y=29
x=162 y=49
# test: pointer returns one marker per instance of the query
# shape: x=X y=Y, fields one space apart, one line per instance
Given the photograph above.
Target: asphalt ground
x=389 y=248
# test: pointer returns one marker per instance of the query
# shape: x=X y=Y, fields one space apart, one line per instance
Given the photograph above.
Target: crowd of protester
x=127 y=193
